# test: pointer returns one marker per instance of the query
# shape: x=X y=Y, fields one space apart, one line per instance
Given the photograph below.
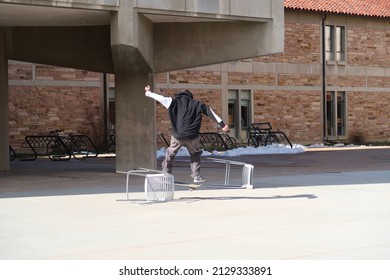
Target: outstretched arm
x=165 y=101
x=216 y=118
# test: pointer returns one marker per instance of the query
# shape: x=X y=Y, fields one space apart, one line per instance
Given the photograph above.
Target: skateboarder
x=185 y=114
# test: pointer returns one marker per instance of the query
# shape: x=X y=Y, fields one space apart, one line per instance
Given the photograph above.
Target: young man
x=185 y=114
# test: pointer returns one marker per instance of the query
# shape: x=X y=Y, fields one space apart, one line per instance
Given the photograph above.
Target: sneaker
x=199 y=179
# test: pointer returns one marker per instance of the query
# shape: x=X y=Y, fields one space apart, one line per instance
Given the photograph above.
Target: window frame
x=243 y=97
x=335 y=44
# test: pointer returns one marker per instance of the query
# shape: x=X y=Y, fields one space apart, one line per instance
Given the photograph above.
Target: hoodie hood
x=184 y=93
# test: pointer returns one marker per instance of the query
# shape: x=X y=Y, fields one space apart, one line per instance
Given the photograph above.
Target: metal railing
x=60 y=146
x=261 y=134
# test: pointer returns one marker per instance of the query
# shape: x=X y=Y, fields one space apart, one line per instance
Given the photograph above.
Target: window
x=336 y=114
x=239 y=111
x=335 y=43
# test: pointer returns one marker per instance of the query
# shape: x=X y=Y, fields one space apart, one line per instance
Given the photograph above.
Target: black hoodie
x=186 y=115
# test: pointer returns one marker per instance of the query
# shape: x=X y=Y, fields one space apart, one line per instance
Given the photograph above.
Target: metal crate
x=159 y=186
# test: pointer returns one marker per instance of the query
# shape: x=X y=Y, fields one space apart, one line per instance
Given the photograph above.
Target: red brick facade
x=37 y=105
x=286 y=88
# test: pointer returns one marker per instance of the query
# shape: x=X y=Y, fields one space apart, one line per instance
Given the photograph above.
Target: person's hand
x=147 y=90
x=226 y=128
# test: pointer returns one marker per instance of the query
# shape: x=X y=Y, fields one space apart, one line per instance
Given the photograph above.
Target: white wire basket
x=159 y=187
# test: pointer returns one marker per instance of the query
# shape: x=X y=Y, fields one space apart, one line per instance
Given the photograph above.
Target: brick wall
x=286 y=87
x=194 y=77
x=239 y=78
x=368 y=47
x=301 y=45
x=368 y=115
x=35 y=108
x=289 y=96
x=296 y=113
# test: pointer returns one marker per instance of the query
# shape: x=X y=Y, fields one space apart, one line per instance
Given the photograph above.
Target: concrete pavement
x=332 y=204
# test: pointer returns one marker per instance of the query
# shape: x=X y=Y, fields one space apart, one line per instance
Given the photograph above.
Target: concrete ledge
x=111 y=5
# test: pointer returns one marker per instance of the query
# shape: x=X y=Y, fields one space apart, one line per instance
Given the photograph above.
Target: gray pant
x=193 y=147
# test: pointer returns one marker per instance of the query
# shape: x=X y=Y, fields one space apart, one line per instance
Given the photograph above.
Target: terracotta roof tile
x=372 y=8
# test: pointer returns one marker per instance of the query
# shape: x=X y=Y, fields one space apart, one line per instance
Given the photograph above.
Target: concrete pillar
x=4 y=141
x=132 y=52
x=135 y=122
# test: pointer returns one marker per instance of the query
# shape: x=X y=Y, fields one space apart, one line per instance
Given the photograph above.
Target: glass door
x=240 y=112
x=336 y=115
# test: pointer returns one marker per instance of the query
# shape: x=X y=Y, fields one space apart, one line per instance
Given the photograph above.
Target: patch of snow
x=263 y=150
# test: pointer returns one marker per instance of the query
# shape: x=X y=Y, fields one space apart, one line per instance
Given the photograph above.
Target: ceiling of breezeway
x=25 y=15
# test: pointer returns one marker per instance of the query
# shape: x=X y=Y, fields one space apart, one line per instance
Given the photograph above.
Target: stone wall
x=36 y=107
x=368 y=47
x=286 y=87
x=368 y=115
x=296 y=113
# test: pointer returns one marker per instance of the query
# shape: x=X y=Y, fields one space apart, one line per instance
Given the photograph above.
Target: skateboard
x=191 y=186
